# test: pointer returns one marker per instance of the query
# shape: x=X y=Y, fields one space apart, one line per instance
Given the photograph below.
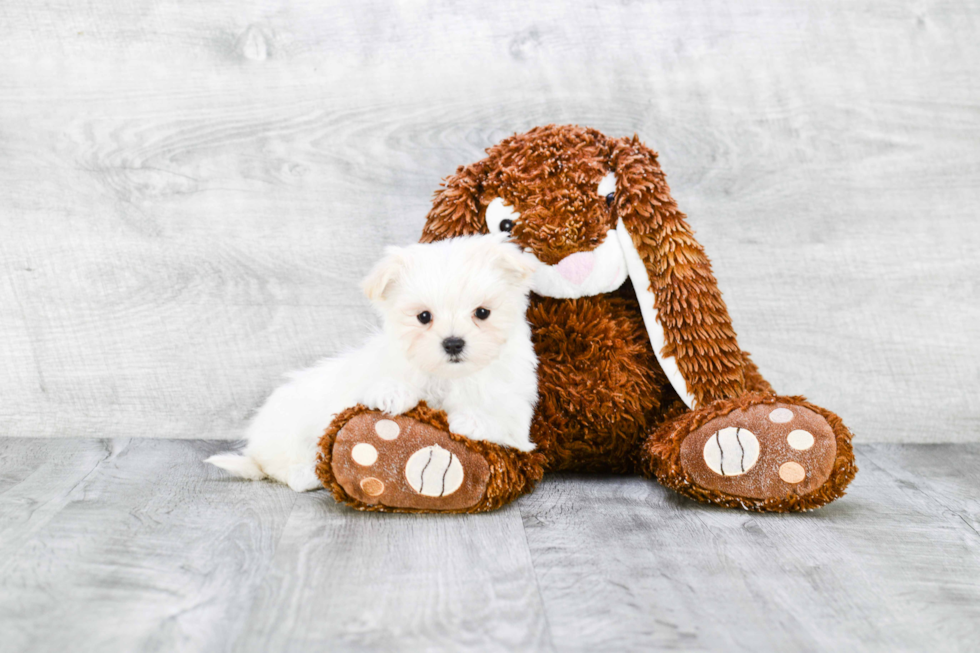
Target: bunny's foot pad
x=771 y=453
x=761 y=452
x=402 y=463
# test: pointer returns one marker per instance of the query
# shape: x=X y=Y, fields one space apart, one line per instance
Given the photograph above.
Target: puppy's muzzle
x=454 y=347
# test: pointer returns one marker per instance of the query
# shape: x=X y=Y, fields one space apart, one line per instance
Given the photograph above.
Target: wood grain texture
x=189 y=193
x=126 y=545
x=343 y=580
x=134 y=544
x=893 y=566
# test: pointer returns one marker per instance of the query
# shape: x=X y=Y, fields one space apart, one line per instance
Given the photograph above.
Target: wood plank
x=344 y=580
x=37 y=480
x=947 y=475
x=21 y=457
x=626 y=565
x=131 y=545
x=188 y=195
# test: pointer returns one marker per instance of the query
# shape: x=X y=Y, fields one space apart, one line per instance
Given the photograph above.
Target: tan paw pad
x=792 y=472
x=372 y=486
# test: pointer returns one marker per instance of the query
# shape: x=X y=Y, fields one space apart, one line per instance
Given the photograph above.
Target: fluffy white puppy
x=454 y=335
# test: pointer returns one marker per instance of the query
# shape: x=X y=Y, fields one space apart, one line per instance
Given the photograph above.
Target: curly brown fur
x=582 y=424
x=602 y=392
x=549 y=175
x=512 y=472
x=661 y=458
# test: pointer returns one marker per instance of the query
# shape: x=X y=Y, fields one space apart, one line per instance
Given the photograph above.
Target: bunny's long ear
x=456 y=206
x=687 y=321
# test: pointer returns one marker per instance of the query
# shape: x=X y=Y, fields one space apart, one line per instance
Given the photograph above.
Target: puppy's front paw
x=469 y=424
x=391 y=397
x=478 y=425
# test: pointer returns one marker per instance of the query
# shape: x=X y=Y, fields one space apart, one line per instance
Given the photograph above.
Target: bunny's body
x=639 y=367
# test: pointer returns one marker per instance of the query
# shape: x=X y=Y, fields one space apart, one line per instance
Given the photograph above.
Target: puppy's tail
x=239 y=465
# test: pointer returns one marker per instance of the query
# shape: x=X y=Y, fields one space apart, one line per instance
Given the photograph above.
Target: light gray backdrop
x=190 y=192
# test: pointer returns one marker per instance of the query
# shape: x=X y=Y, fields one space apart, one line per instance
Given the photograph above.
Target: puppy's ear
x=378 y=283
x=513 y=261
x=456 y=206
x=682 y=308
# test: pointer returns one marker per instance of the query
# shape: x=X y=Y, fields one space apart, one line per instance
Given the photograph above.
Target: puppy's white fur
x=489 y=393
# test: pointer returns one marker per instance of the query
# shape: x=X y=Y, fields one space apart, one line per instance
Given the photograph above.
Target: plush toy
x=639 y=368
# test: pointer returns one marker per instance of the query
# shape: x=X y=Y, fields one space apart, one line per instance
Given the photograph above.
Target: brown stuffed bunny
x=639 y=368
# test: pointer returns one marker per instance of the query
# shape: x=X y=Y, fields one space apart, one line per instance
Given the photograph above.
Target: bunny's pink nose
x=576 y=267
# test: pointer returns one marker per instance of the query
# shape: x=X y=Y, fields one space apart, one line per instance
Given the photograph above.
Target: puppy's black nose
x=453 y=345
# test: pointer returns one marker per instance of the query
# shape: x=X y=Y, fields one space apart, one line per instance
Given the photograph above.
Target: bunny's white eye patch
x=500 y=217
x=608 y=185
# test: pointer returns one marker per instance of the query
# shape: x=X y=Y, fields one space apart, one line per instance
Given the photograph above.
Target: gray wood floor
x=126 y=545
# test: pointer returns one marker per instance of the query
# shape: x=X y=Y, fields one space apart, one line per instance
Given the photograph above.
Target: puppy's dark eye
x=506 y=225
x=609 y=199
x=424 y=317
x=482 y=313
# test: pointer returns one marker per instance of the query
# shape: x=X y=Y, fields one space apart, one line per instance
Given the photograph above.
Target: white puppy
x=454 y=335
